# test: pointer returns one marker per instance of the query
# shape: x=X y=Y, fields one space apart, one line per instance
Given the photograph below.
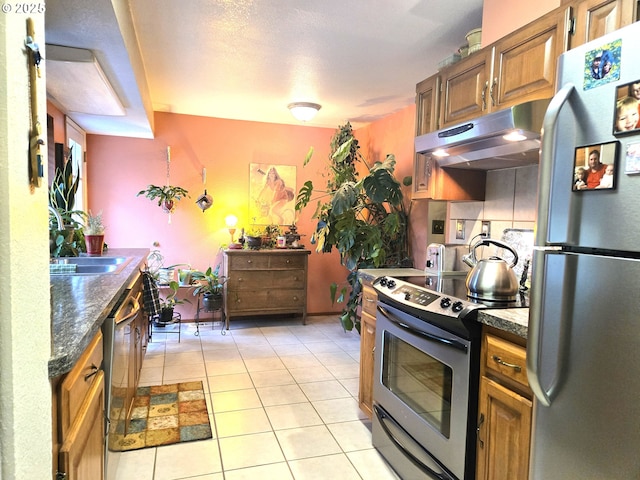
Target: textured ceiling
x=248 y=59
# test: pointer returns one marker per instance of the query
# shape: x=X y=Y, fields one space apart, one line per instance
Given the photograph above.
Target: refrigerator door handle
x=547 y=156
x=549 y=307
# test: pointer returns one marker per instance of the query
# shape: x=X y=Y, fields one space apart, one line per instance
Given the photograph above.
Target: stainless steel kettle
x=491 y=278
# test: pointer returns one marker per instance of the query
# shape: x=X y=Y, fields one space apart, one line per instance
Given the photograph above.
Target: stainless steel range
x=426 y=374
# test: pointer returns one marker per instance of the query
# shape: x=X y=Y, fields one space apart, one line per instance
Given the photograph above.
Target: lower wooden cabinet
x=367 y=348
x=504 y=410
x=78 y=400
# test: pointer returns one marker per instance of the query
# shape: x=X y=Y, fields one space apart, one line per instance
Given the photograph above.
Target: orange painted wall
x=118 y=168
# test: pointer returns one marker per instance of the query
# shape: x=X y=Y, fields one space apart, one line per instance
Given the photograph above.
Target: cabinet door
x=82 y=454
x=367 y=348
x=465 y=88
x=595 y=18
x=427 y=99
x=524 y=66
x=504 y=431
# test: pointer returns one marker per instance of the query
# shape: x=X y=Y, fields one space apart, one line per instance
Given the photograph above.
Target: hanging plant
x=166 y=196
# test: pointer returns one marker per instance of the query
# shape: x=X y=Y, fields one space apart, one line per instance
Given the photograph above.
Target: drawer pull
x=288 y=261
x=295 y=297
x=370 y=300
x=249 y=261
x=499 y=361
x=94 y=370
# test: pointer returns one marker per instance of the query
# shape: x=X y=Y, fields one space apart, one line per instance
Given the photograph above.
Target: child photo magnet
x=627 y=111
x=602 y=65
x=595 y=167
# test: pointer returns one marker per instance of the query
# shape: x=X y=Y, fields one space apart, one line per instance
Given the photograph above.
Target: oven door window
x=421 y=381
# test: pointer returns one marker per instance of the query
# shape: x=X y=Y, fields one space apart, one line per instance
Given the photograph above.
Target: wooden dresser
x=265 y=282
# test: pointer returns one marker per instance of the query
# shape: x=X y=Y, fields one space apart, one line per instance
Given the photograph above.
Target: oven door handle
x=383 y=416
x=416 y=331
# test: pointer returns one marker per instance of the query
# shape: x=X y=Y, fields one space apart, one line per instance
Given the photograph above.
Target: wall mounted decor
x=272 y=194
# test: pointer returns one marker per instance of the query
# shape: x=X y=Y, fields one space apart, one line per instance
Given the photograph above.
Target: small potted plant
x=94 y=233
x=166 y=196
x=168 y=303
x=209 y=285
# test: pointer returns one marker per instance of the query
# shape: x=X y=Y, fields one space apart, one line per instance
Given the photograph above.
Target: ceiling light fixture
x=304 y=111
x=78 y=84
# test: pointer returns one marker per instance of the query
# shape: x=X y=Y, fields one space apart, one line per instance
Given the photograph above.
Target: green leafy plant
x=364 y=218
x=171 y=300
x=209 y=282
x=63 y=189
x=166 y=196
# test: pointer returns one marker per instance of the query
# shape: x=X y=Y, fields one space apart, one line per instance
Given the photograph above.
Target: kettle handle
x=489 y=241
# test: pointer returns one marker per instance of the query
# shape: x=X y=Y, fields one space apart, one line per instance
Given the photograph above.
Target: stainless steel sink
x=89 y=265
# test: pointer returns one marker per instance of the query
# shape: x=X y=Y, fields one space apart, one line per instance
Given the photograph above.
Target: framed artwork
x=602 y=65
x=627 y=111
x=632 y=159
x=595 y=167
x=272 y=191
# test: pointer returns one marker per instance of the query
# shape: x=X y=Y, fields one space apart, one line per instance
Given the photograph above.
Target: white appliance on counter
x=583 y=350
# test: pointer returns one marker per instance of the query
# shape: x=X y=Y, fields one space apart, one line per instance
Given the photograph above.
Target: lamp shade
x=304 y=111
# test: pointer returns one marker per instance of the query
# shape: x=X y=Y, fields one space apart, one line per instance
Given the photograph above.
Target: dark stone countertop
x=81 y=303
x=513 y=320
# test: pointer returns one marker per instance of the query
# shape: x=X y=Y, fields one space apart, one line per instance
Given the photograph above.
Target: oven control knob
x=383 y=281
x=445 y=302
x=457 y=306
x=407 y=296
x=391 y=283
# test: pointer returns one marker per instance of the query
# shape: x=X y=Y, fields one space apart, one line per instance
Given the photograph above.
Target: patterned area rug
x=163 y=415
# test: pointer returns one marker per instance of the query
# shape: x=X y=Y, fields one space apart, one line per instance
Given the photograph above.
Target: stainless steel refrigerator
x=583 y=351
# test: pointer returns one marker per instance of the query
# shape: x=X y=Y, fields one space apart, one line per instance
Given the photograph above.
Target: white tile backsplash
x=498 y=203
x=525 y=200
x=510 y=202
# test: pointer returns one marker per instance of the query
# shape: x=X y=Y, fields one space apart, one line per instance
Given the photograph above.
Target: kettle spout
x=470 y=259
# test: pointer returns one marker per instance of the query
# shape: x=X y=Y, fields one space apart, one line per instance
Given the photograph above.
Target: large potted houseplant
x=94 y=234
x=364 y=218
x=166 y=196
x=209 y=285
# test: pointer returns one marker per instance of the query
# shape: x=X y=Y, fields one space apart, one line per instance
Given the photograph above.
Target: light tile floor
x=282 y=399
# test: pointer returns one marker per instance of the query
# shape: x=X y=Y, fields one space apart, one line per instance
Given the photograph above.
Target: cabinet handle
x=493 y=85
x=94 y=370
x=484 y=95
x=499 y=361
x=288 y=261
x=370 y=300
x=373 y=351
x=480 y=422
x=249 y=261
x=295 y=297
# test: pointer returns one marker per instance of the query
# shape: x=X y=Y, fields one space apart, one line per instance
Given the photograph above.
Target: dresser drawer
x=265 y=300
x=287 y=262
x=369 y=300
x=269 y=279
x=247 y=262
x=77 y=383
x=506 y=360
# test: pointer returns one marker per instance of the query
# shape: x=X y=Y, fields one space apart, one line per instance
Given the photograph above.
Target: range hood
x=481 y=144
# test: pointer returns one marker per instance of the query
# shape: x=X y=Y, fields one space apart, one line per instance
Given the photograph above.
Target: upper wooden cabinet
x=524 y=63
x=427 y=101
x=465 y=88
x=595 y=18
x=515 y=69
